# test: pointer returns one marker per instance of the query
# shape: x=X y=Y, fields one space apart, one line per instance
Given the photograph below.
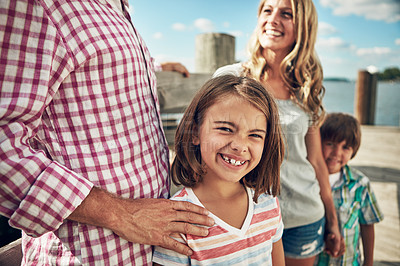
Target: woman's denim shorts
x=304 y=241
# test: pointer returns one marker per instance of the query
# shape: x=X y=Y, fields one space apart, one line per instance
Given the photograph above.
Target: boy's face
x=336 y=155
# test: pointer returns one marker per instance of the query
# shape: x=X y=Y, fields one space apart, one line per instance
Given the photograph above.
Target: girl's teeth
x=232 y=161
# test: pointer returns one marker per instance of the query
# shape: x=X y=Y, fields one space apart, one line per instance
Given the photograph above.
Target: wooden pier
x=379 y=159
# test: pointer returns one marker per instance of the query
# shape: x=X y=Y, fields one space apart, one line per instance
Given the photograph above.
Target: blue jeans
x=304 y=241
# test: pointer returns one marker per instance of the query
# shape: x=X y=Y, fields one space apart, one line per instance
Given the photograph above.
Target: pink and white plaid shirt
x=78 y=108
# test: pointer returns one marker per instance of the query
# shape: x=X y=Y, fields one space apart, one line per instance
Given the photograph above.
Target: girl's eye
x=257 y=136
x=226 y=129
x=328 y=143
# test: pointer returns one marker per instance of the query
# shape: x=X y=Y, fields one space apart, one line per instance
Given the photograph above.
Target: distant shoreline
x=350 y=80
x=337 y=79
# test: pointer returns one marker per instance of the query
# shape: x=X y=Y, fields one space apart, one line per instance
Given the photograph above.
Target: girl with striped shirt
x=228 y=154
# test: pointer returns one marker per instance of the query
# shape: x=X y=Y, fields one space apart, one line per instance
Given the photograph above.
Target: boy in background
x=355 y=202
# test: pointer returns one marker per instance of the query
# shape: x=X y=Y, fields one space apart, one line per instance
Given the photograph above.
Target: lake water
x=339 y=97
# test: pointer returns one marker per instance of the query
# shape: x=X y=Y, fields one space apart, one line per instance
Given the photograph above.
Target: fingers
x=342 y=247
x=178 y=67
x=182 y=69
x=336 y=246
x=187 y=228
x=189 y=214
x=174 y=245
x=153 y=221
x=175 y=66
x=333 y=242
x=190 y=207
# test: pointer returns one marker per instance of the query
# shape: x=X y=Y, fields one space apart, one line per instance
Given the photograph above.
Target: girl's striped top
x=227 y=245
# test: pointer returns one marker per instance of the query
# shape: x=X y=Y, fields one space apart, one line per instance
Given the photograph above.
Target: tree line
x=392 y=73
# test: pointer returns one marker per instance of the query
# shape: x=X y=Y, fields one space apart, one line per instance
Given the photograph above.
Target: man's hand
x=152 y=221
x=144 y=221
x=175 y=66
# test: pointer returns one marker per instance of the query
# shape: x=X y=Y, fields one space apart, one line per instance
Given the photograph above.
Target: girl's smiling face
x=275 y=27
x=231 y=139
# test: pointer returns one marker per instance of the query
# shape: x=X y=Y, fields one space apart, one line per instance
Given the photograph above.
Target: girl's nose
x=239 y=144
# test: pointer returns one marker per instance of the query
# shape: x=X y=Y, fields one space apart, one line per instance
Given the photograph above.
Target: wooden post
x=214 y=50
x=175 y=93
x=365 y=97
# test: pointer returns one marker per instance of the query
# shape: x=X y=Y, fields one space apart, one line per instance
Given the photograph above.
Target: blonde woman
x=283 y=59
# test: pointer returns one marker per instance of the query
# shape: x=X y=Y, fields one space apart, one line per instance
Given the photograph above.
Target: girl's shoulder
x=181 y=195
x=265 y=198
x=267 y=205
x=186 y=194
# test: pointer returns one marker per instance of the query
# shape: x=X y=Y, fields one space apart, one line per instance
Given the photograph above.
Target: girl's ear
x=195 y=136
x=196 y=140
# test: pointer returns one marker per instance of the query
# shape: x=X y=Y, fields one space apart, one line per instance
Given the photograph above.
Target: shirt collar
x=349 y=176
x=346 y=177
x=118 y=4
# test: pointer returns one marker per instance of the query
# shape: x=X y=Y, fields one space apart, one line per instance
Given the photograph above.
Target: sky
x=353 y=35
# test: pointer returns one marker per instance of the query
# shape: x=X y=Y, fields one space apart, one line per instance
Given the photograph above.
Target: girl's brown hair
x=301 y=69
x=187 y=168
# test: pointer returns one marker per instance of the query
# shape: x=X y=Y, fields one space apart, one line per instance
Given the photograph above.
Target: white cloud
x=380 y=57
x=204 y=25
x=236 y=33
x=179 y=27
x=375 y=51
x=158 y=35
x=326 y=29
x=226 y=24
x=333 y=43
x=397 y=41
x=386 y=10
x=328 y=60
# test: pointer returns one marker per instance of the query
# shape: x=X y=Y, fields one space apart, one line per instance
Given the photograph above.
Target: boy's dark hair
x=339 y=127
x=187 y=167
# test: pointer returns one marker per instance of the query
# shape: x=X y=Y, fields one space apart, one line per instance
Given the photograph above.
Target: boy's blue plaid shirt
x=355 y=204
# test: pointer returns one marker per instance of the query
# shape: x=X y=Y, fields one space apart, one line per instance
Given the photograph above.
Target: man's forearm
x=97 y=209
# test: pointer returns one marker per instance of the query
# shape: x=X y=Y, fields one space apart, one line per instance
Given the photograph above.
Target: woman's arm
x=314 y=155
x=278 y=257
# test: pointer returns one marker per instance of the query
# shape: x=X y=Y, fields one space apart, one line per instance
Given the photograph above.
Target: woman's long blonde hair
x=301 y=69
